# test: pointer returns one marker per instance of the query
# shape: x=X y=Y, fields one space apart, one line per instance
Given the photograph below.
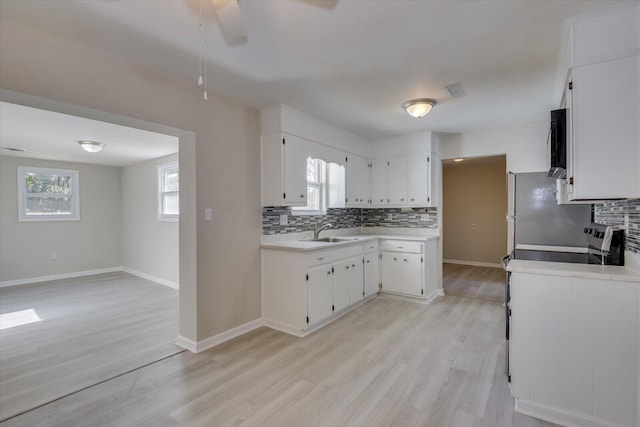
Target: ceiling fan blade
x=230 y=19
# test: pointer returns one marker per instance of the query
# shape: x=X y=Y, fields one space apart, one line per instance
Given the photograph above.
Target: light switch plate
x=424 y=217
x=390 y=217
x=284 y=220
x=208 y=214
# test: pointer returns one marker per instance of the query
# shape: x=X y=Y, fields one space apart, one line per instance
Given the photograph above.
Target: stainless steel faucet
x=317 y=230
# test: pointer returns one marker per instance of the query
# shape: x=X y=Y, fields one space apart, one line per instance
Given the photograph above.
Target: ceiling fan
x=232 y=23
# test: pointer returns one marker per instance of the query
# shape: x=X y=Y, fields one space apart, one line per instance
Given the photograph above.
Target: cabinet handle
x=400 y=247
x=347 y=267
x=405 y=260
x=329 y=272
x=382 y=200
x=395 y=259
x=302 y=195
x=402 y=200
x=367 y=261
x=353 y=265
x=412 y=199
x=320 y=259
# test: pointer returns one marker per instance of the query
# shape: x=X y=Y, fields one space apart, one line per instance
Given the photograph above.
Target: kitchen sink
x=333 y=239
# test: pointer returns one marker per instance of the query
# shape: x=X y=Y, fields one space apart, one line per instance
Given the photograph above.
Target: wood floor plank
x=92 y=328
x=388 y=363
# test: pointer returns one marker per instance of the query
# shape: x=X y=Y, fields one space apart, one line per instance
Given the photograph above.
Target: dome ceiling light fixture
x=419 y=107
x=91 y=146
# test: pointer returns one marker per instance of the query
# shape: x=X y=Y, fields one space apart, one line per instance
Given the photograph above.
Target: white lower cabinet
x=371 y=274
x=574 y=355
x=348 y=282
x=408 y=268
x=319 y=293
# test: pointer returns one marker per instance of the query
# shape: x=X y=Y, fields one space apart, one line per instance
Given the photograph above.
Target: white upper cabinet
x=602 y=98
x=358 y=184
x=397 y=180
x=419 y=171
x=605 y=34
x=284 y=165
x=379 y=182
x=605 y=151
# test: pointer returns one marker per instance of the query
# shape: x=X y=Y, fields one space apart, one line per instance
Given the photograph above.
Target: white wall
x=525 y=146
x=221 y=288
x=94 y=242
x=149 y=246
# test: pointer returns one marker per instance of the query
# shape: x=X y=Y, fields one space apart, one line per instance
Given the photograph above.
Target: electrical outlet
x=54 y=256
x=284 y=219
x=424 y=217
x=390 y=216
x=208 y=214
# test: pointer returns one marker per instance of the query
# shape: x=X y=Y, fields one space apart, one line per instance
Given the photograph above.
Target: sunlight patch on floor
x=18 y=318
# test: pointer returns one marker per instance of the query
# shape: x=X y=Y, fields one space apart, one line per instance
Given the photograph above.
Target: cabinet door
x=341 y=280
x=397 y=180
x=605 y=100
x=319 y=293
x=356 y=281
x=418 y=168
x=295 y=170
x=402 y=273
x=358 y=181
x=371 y=274
x=379 y=182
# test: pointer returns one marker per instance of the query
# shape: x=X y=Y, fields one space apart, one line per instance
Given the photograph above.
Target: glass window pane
x=41 y=204
x=171 y=204
x=171 y=180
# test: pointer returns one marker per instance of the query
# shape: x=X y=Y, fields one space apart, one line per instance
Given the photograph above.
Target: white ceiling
x=49 y=135
x=351 y=63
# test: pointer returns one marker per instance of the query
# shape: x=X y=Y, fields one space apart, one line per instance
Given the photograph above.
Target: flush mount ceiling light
x=91 y=146
x=419 y=107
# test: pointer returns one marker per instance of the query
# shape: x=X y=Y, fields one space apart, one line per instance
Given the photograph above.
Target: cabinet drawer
x=320 y=257
x=351 y=250
x=371 y=246
x=402 y=246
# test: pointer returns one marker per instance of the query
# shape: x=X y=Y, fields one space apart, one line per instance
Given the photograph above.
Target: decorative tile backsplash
x=612 y=213
x=346 y=218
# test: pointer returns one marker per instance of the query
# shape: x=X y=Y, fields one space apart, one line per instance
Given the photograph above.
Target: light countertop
x=588 y=271
x=309 y=245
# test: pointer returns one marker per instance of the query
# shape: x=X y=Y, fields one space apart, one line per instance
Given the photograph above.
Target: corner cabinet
x=302 y=291
x=284 y=166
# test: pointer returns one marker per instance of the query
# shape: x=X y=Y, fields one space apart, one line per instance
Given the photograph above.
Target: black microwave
x=558 y=144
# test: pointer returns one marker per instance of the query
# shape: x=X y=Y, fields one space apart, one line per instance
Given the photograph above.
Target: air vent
x=455 y=90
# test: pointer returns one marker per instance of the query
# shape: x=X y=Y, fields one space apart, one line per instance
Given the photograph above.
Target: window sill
x=169 y=219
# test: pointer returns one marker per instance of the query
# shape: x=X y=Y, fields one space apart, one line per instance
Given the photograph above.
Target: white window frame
x=321 y=185
x=162 y=170
x=22 y=194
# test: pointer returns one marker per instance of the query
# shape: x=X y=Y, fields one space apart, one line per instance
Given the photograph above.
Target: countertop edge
x=299 y=246
x=587 y=271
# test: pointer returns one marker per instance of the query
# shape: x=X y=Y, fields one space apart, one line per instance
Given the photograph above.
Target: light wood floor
x=387 y=363
x=484 y=283
x=92 y=329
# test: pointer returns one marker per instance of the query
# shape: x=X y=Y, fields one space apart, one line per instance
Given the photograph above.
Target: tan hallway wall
x=475 y=192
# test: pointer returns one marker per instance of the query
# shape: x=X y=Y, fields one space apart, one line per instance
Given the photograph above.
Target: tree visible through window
x=46 y=194
x=315 y=188
x=168 y=192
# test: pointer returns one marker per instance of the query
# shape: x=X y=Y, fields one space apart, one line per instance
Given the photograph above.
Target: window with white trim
x=316 y=189
x=168 y=192
x=48 y=194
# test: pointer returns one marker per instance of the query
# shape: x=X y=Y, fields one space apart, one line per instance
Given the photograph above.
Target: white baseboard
x=559 y=416
x=49 y=278
x=146 y=276
x=206 y=344
x=474 y=263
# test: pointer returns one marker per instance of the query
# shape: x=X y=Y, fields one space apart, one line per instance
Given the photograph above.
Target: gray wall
x=93 y=242
x=148 y=245
x=223 y=286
